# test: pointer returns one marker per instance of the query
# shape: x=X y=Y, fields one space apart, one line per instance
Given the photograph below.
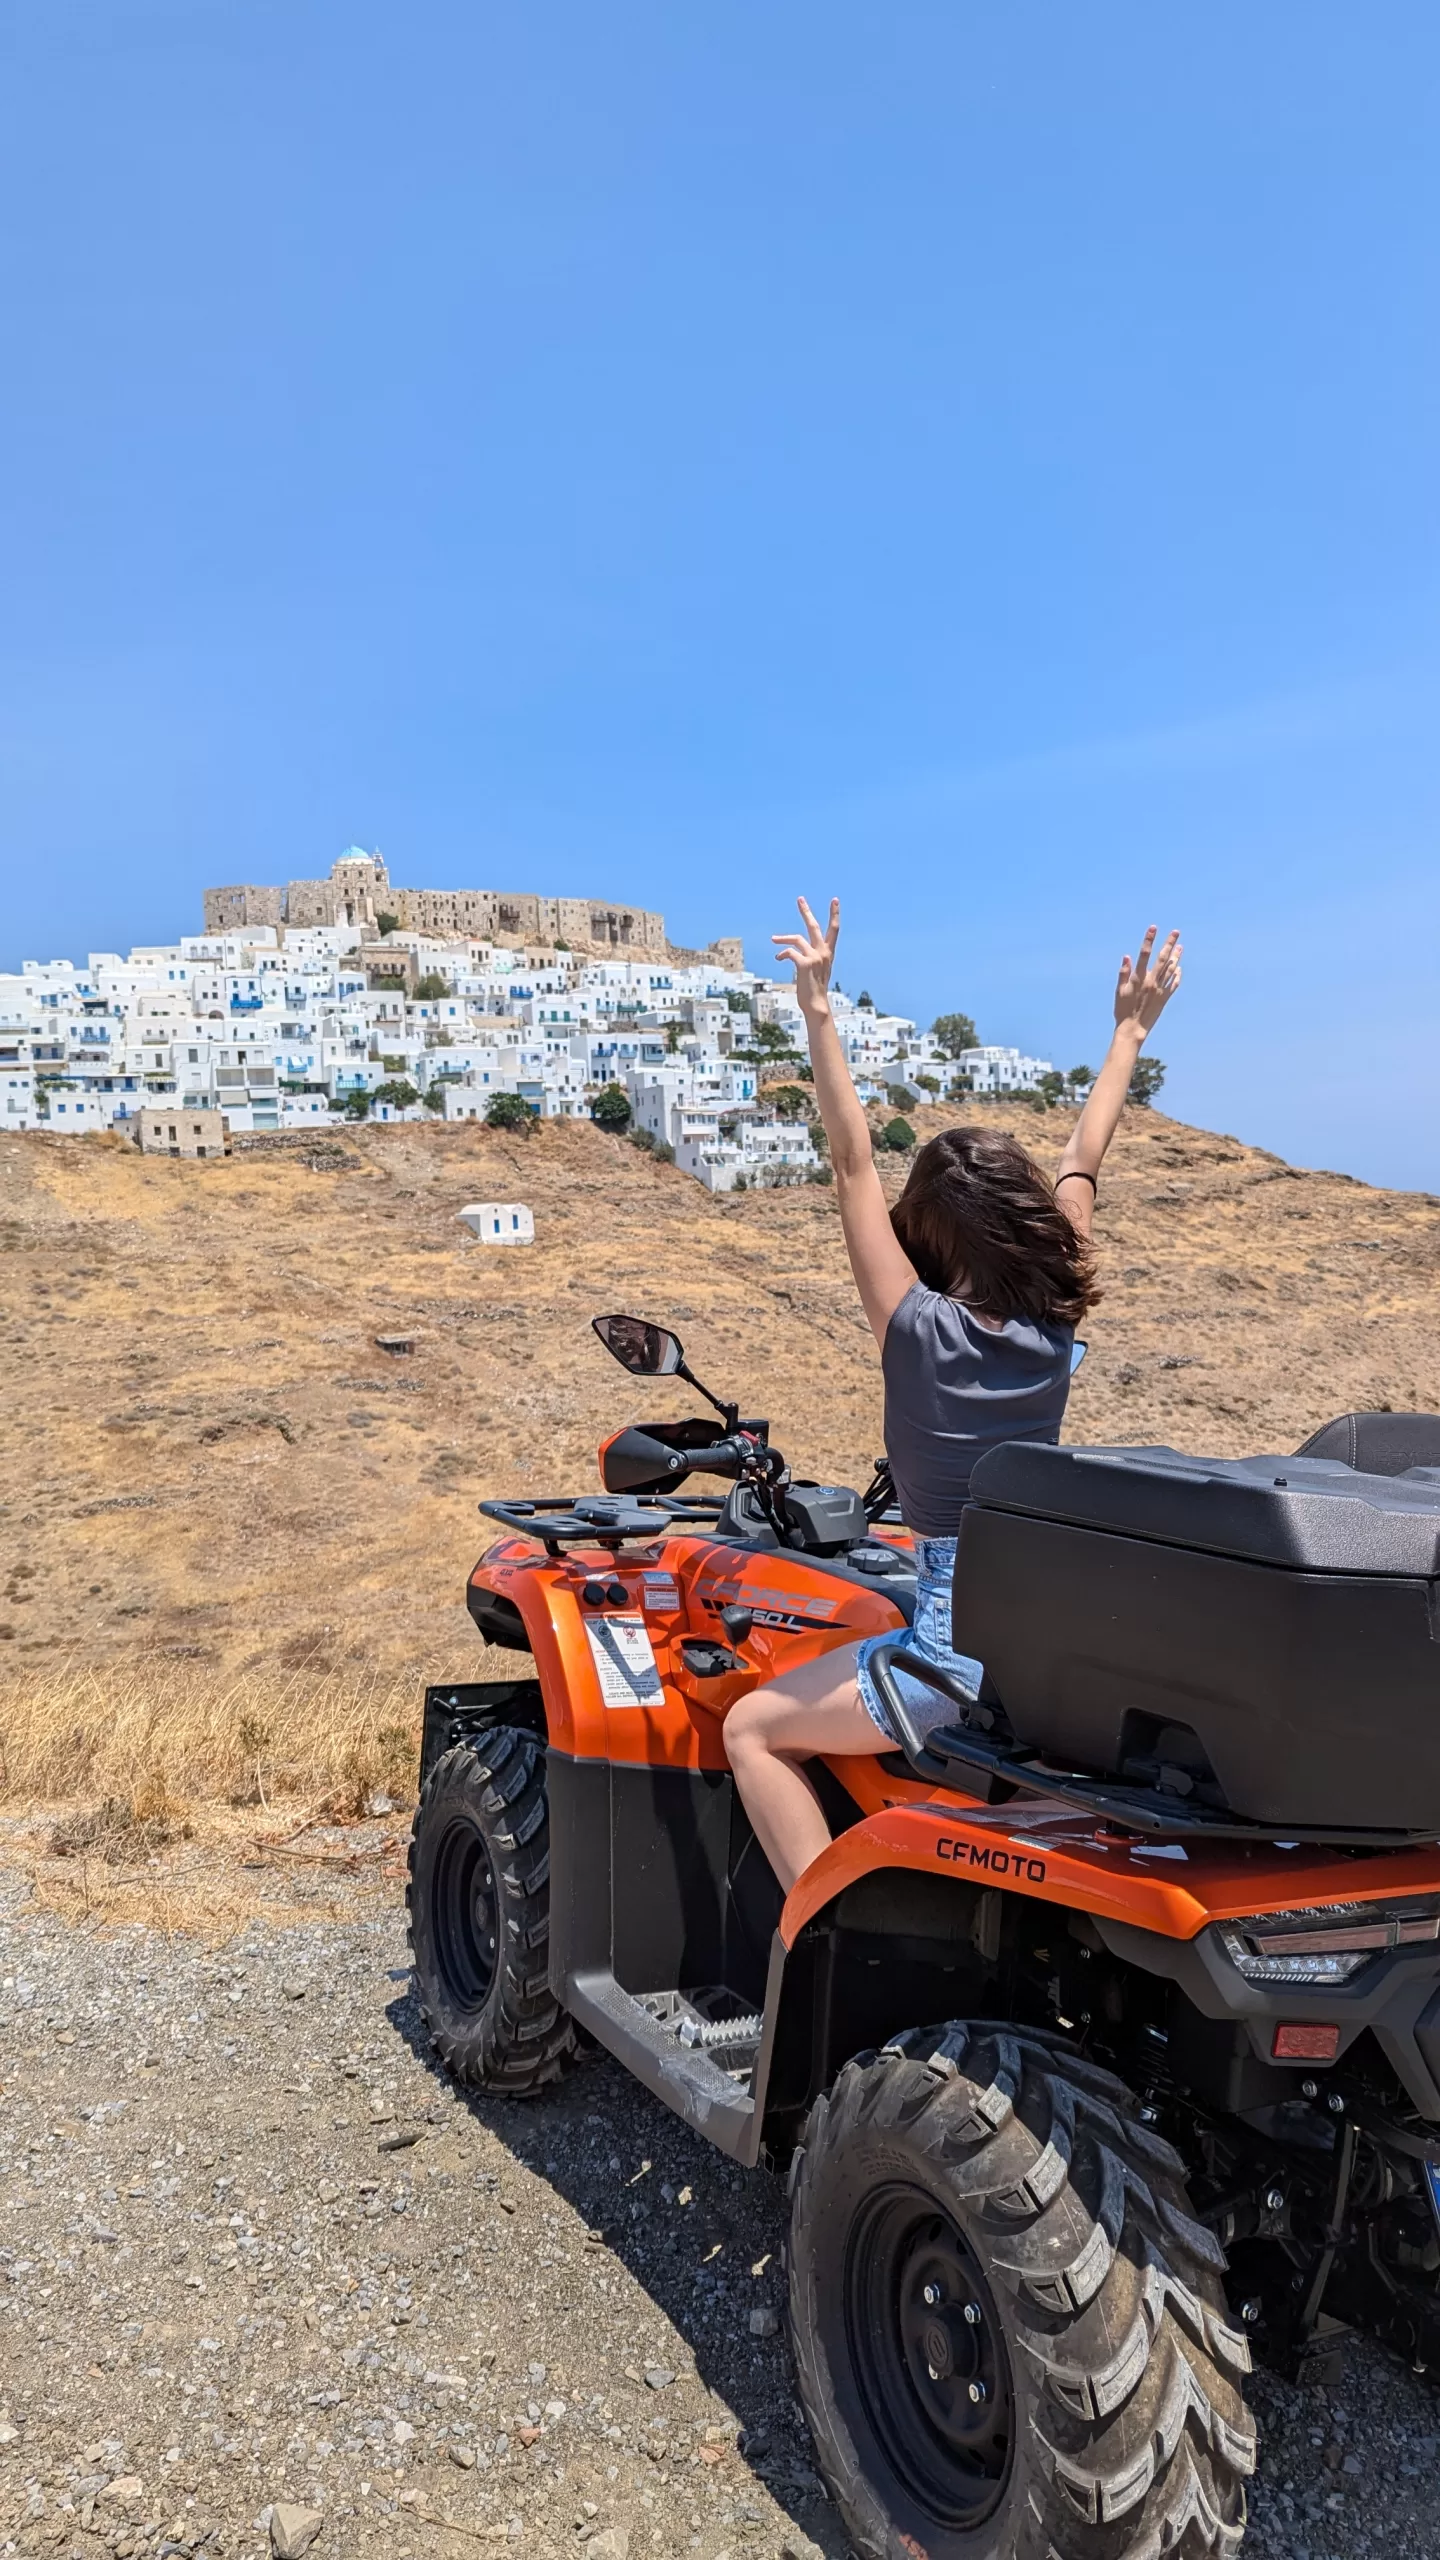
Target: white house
x=762 y=1153
x=499 y=1222
x=994 y=1070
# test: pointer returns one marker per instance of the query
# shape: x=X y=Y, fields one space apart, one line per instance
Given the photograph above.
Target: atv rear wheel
x=479 y=1904
x=1009 y=2330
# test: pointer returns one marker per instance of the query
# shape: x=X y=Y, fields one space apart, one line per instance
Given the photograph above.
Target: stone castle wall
x=359 y=891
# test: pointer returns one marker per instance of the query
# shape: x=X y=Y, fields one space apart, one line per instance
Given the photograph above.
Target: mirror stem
x=729 y=1413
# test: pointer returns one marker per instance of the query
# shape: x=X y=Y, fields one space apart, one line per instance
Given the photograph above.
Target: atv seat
x=1378 y=1444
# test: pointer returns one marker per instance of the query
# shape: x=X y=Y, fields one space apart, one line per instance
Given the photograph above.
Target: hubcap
x=929 y=2356
x=466 y=1920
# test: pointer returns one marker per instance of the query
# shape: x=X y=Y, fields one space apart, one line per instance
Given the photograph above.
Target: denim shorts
x=930 y=1636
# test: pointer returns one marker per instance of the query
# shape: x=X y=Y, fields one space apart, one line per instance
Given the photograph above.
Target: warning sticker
x=625 y=1662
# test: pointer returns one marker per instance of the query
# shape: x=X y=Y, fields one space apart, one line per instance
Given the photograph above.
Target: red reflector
x=1306 y=2044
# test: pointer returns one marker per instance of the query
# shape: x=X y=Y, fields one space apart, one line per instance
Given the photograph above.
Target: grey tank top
x=955 y=1388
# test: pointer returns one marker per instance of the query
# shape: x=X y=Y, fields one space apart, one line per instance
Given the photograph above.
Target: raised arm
x=883 y=1273
x=1142 y=991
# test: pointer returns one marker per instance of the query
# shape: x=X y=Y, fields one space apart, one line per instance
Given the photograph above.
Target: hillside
x=209 y=1460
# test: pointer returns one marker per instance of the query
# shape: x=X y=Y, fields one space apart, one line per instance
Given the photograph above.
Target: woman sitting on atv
x=973 y=1285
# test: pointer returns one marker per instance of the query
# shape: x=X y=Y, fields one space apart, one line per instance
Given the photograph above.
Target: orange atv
x=1124 y=1983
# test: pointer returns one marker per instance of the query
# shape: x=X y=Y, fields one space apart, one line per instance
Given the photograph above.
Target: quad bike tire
x=479 y=1909
x=1010 y=2335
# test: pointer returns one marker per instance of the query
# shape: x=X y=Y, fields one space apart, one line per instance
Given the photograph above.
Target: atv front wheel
x=479 y=1904
x=1009 y=2330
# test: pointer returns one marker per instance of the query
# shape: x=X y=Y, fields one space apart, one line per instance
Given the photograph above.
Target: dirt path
x=254 y=2250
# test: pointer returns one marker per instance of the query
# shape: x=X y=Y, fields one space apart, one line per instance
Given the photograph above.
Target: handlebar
x=640 y=1460
x=722 y=1458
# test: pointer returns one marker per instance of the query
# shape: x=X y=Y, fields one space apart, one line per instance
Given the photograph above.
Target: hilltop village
x=352 y=998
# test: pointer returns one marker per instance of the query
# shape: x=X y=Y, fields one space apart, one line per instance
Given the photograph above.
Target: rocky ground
x=265 y=2277
x=257 y=2254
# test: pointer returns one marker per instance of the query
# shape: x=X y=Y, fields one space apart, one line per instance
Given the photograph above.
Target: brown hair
x=979 y=1219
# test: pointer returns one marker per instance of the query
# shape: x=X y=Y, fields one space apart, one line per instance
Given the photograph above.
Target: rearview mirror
x=646 y=1350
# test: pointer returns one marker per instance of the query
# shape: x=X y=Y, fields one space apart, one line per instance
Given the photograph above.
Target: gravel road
x=255 y=2254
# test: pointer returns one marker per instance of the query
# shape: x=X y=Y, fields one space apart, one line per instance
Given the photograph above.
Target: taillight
x=1305 y=2043
x=1328 y=1942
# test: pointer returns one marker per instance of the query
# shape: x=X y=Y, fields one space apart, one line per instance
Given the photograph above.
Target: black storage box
x=1265 y=1631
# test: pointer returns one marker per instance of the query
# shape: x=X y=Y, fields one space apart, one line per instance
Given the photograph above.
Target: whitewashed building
x=993 y=1070
x=499 y=1222
x=290 y=1027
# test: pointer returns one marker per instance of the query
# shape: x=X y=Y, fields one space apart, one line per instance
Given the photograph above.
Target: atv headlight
x=1328 y=1942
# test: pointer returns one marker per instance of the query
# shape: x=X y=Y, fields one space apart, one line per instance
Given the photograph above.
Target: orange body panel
x=1055 y=1855
x=678 y=1586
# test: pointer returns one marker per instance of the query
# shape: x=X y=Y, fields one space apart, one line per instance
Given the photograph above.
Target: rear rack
x=602 y=1519
x=1125 y=1807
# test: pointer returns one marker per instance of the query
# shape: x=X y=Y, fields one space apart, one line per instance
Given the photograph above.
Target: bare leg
x=815 y=1709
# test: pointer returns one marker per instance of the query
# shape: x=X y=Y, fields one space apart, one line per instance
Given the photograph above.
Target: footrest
x=706 y=2083
x=732 y=2040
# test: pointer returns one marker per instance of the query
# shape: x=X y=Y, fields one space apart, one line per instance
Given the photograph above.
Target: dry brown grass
x=148 y=1741
x=155 y=1794
x=236 y=1532
x=210 y=1875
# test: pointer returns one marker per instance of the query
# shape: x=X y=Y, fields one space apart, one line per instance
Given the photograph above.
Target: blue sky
x=983 y=461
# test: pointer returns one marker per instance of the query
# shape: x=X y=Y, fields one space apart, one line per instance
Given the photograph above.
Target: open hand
x=813 y=953
x=1145 y=986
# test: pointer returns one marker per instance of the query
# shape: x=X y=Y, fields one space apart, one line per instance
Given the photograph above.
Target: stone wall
x=233 y=910
x=358 y=890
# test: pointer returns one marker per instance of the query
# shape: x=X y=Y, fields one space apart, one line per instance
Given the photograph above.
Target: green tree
x=737 y=1002
x=772 y=1040
x=611 y=1108
x=790 y=1100
x=434 y=1100
x=357 y=1106
x=432 y=987
x=1079 y=1078
x=508 y=1111
x=392 y=1066
x=955 y=1032
x=388 y=924
x=928 y=1084
x=898 y=1136
x=866 y=998
x=399 y=1092
x=1146 y=1080
x=899 y=1097
x=672 y=1039
x=1051 y=1084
